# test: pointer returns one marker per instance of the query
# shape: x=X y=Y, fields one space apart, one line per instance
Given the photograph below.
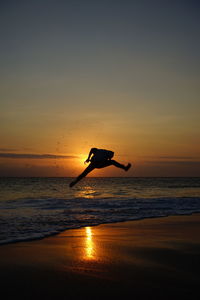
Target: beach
x=157 y=258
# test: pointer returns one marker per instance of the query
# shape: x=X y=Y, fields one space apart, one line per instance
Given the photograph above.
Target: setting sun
x=81 y=159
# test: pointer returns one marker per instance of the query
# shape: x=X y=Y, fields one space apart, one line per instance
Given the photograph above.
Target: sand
x=153 y=258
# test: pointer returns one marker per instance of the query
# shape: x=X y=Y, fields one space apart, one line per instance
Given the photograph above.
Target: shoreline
x=156 y=257
x=26 y=240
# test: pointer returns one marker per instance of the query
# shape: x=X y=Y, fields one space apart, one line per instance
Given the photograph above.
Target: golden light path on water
x=87 y=192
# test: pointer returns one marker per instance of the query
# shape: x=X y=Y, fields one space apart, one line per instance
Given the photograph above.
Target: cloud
x=7 y=149
x=174 y=162
x=171 y=157
x=178 y=157
x=35 y=156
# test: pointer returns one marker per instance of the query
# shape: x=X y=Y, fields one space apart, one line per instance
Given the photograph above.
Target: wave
x=35 y=218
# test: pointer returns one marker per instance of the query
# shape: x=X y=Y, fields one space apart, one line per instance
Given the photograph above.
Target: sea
x=34 y=208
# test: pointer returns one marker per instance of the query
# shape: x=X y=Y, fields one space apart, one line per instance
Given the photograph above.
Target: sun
x=80 y=160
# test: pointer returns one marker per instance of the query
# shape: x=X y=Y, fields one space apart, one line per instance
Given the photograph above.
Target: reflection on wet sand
x=89 y=244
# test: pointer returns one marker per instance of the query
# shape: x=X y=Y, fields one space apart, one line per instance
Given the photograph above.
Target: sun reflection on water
x=87 y=192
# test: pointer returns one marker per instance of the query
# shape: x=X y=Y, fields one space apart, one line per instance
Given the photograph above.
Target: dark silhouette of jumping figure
x=100 y=159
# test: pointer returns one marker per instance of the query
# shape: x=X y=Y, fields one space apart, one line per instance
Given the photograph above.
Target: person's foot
x=127 y=167
x=72 y=184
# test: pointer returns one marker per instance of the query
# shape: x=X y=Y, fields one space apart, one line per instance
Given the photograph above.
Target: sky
x=117 y=75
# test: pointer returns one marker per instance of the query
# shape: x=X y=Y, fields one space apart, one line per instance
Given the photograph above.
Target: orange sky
x=120 y=77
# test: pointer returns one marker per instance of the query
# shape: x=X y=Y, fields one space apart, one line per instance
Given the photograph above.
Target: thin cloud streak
x=35 y=156
x=175 y=162
x=178 y=157
x=7 y=149
x=168 y=157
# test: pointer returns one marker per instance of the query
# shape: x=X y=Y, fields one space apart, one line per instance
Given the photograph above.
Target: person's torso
x=102 y=154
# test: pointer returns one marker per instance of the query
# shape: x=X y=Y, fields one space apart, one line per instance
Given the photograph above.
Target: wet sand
x=153 y=258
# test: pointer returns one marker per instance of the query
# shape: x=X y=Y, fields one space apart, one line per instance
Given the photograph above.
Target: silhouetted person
x=100 y=159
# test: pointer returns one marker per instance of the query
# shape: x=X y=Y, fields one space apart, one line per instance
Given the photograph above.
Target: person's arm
x=91 y=152
x=110 y=154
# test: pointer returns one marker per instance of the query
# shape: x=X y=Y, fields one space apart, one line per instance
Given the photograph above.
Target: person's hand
x=87 y=161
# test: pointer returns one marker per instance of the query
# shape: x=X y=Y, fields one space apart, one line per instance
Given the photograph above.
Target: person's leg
x=113 y=162
x=118 y=165
x=82 y=175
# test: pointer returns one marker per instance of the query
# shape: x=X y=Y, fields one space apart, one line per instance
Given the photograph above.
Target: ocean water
x=32 y=208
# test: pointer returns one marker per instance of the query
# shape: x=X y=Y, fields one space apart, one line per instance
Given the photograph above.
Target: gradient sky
x=119 y=75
